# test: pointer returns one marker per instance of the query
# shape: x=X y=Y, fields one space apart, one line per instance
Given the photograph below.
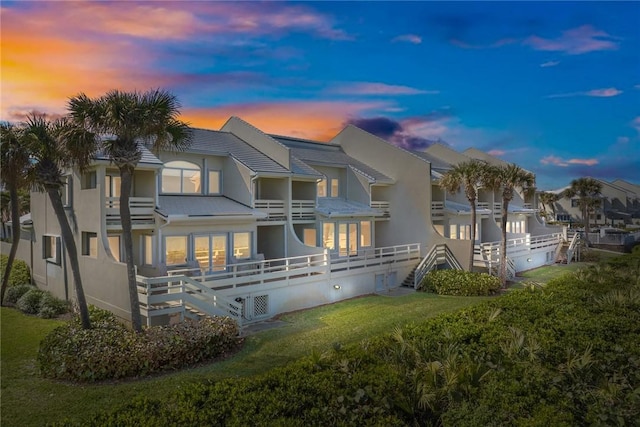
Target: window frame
x=219 y=173
x=47 y=240
x=87 y=237
x=197 y=168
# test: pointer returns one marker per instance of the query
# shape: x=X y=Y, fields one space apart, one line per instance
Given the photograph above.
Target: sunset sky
x=551 y=86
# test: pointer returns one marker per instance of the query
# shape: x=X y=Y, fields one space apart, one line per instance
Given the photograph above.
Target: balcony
x=437 y=209
x=273 y=208
x=303 y=210
x=141 y=209
x=497 y=209
x=382 y=207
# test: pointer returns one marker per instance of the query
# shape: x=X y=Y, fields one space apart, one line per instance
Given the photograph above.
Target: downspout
x=64 y=270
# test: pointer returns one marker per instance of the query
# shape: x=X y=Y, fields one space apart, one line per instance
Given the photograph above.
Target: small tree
x=124 y=120
x=14 y=167
x=507 y=179
x=549 y=199
x=588 y=192
x=52 y=152
x=470 y=175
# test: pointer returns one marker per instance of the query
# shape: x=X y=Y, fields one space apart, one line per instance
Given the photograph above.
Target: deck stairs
x=440 y=257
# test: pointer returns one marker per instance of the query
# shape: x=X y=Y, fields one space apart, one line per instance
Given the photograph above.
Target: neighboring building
x=619 y=205
x=251 y=225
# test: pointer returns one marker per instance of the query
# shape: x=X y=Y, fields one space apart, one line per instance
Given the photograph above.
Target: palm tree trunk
x=503 y=245
x=126 y=177
x=473 y=234
x=15 y=219
x=72 y=251
x=585 y=216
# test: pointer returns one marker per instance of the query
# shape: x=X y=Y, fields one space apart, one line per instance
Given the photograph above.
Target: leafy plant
x=31 y=301
x=20 y=273
x=458 y=282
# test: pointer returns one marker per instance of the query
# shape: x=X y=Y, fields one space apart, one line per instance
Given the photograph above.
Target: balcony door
x=347 y=238
x=211 y=251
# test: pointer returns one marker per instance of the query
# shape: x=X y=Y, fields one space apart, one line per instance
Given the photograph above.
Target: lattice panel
x=261 y=305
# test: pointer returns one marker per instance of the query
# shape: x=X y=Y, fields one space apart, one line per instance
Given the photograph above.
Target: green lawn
x=28 y=400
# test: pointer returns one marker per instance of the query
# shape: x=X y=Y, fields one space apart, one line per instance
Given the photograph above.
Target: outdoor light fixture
x=528 y=259
x=336 y=287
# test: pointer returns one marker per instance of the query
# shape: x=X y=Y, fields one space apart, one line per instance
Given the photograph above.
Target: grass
x=28 y=400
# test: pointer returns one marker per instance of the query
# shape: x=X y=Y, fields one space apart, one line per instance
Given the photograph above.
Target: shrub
x=111 y=351
x=51 y=306
x=15 y=292
x=20 y=273
x=461 y=283
x=31 y=301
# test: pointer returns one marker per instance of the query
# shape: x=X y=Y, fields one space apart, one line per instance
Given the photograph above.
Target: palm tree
x=507 y=179
x=53 y=151
x=549 y=199
x=587 y=190
x=124 y=121
x=469 y=174
x=13 y=172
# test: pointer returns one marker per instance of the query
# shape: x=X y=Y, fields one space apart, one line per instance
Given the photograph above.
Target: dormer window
x=325 y=191
x=180 y=177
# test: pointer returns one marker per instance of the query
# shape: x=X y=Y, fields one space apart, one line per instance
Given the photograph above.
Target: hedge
x=20 y=273
x=460 y=283
x=563 y=355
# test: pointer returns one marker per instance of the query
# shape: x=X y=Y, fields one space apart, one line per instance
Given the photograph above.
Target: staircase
x=409 y=280
x=440 y=255
x=566 y=251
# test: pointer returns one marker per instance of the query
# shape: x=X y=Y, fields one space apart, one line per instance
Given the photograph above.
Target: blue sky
x=552 y=86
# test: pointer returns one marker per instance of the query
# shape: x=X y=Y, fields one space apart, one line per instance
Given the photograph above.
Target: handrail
x=440 y=252
x=572 y=247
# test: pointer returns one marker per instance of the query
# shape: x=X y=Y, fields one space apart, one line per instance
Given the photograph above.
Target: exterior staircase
x=409 y=280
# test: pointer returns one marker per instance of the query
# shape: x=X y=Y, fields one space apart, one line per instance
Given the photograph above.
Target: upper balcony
x=273 y=208
x=303 y=210
x=141 y=209
x=383 y=207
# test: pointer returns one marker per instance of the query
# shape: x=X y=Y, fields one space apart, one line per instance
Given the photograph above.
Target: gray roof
x=318 y=153
x=338 y=207
x=298 y=167
x=203 y=206
x=147 y=156
x=226 y=143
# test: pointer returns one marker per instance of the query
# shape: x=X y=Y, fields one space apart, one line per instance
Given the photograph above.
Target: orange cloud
x=312 y=120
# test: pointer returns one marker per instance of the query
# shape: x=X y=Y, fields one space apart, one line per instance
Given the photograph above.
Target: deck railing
x=141 y=210
x=437 y=209
x=439 y=254
x=273 y=208
x=193 y=289
x=488 y=254
x=382 y=207
x=303 y=210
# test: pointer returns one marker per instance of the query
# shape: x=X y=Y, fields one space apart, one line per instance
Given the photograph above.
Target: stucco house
x=250 y=225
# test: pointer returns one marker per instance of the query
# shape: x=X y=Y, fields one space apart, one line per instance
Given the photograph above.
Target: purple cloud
x=598 y=93
x=575 y=41
x=408 y=134
x=549 y=64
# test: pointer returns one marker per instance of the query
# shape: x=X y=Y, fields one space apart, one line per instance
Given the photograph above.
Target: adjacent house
x=250 y=225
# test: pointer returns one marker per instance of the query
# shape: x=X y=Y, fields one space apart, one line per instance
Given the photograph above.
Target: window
x=148 y=250
x=114 y=245
x=211 y=251
x=453 y=231
x=215 y=182
x=329 y=235
x=66 y=191
x=365 y=234
x=90 y=244
x=242 y=245
x=310 y=236
x=112 y=186
x=89 y=180
x=175 y=249
x=51 y=249
x=322 y=188
x=335 y=187
x=181 y=177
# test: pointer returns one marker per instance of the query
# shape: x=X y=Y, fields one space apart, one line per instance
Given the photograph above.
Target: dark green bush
x=566 y=354
x=15 y=292
x=460 y=283
x=31 y=301
x=20 y=273
x=111 y=351
x=51 y=306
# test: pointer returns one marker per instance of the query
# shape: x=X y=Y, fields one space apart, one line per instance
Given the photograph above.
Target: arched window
x=181 y=177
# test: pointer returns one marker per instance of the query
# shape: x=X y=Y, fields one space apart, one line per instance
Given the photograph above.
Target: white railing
x=497 y=209
x=483 y=205
x=488 y=254
x=180 y=292
x=439 y=254
x=437 y=209
x=382 y=207
x=181 y=295
x=572 y=247
x=141 y=209
x=303 y=210
x=273 y=208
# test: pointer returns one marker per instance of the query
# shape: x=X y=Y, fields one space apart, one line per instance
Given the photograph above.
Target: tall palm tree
x=507 y=179
x=14 y=164
x=52 y=152
x=124 y=121
x=549 y=199
x=469 y=174
x=587 y=190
